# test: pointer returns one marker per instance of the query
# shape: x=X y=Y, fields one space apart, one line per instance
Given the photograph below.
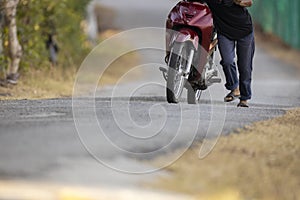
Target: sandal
x=243 y=104
x=231 y=97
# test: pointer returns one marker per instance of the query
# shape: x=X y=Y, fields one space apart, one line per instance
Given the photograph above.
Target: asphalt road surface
x=112 y=146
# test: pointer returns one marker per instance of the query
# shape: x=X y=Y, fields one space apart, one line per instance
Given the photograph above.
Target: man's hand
x=243 y=3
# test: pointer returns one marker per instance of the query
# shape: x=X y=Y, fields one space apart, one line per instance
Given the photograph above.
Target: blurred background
x=280 y=17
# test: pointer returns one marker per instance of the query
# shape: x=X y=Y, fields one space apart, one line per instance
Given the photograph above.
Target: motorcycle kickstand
x=164 y=72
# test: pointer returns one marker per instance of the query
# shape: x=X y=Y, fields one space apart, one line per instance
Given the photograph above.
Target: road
x=39 y=140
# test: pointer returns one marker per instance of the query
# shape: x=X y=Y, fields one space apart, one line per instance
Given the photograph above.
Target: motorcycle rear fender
x=187 y=35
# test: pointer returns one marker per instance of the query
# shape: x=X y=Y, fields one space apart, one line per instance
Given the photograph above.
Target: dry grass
x=46 y=83
x=261 y=162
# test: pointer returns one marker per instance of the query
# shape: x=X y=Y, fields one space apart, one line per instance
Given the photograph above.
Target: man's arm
x=244 y=3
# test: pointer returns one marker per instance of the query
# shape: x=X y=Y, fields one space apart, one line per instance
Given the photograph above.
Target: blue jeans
x=245 y=48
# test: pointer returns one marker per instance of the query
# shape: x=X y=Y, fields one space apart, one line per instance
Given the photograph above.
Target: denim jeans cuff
x=245 y=98
x=232 y=87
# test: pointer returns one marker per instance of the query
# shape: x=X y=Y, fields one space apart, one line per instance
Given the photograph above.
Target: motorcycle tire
x=191 y=95
x=176 y=81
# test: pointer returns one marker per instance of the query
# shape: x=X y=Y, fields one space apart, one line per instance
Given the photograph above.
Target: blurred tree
x=36 y=20
x=8 y=17
x=2 y=59
x=14 y=47
x=62 y=18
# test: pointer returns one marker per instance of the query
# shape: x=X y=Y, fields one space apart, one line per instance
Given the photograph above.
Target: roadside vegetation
x=65 y=21
x=35 y=22
x=259 y=162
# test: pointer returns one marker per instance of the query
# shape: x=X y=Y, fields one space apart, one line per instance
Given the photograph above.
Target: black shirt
x=231 y=20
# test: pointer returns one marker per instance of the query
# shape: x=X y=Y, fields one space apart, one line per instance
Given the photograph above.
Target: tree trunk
x=15 y=49
x=2 y=59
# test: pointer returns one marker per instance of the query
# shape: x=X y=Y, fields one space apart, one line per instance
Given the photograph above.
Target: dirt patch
x=260 y=162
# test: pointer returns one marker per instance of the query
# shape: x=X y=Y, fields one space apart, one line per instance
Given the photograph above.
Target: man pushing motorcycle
x=235 y=35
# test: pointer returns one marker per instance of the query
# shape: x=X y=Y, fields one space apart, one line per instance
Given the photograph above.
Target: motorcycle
x=191 y=42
